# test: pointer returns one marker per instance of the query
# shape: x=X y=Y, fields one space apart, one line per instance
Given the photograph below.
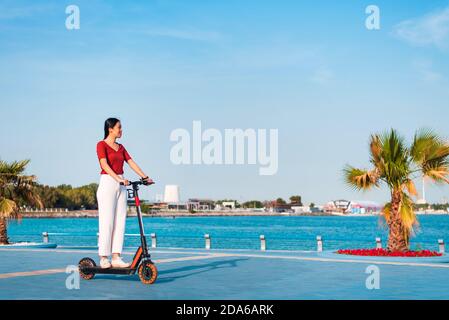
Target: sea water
x=281 y=232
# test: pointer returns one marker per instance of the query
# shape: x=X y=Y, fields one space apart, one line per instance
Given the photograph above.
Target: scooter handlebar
x=140 y=182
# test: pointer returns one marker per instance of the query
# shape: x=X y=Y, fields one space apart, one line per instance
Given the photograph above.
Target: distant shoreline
x=166 y=214
x=174 y=214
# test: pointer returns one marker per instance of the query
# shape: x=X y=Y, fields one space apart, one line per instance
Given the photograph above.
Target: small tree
x=253 y=204
x=16 y=189
x=296 y=200
x=396 y=165
x=280 y=201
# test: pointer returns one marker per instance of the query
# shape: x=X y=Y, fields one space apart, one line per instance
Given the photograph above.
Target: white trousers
x=112 y=207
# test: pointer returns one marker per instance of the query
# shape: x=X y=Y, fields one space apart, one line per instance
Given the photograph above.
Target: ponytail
x=109 y=124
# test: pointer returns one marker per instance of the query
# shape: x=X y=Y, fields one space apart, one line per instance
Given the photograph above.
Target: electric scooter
x=141 y=263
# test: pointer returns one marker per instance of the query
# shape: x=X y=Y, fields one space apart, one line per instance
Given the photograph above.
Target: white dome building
x=171 y=194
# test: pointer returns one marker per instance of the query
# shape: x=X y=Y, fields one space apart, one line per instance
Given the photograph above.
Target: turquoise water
x=282 y=233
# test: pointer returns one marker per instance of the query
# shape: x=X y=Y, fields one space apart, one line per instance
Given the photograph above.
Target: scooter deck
x=99 y=270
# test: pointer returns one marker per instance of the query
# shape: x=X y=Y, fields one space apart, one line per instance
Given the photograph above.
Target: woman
x=111 y=196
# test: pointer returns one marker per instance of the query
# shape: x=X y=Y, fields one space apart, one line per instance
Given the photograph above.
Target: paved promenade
x=221 y=274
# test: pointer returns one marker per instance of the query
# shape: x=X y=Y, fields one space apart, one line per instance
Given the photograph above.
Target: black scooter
x=141 y=263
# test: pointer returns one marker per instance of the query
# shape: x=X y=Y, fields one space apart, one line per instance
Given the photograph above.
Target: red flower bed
x=386 y=253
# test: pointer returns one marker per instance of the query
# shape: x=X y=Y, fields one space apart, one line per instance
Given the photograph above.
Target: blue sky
x=308 y=68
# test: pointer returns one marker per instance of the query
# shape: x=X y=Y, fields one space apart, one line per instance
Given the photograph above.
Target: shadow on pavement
x=206 y=268
x=196 y=269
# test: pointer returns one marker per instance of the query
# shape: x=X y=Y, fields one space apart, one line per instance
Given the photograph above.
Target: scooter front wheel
x=147 y=272
x=86 y=262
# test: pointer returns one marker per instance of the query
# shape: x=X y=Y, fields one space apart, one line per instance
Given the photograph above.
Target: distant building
x=301 y=209
x=365 y=207
x=158 y=206
x=171 y=194
x=177 y=206
x=228 y=205
x=341 y=205
x=164 y=206
x=274 y=206
x=200 y=204
x=358 y=206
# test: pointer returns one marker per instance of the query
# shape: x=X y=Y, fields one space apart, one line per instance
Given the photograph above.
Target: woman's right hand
x=124 y=181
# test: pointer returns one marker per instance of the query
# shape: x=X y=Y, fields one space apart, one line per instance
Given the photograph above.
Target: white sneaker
x=119 y=263
x=104 y=263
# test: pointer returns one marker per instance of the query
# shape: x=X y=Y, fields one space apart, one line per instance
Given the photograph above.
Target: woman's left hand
x=148 y=180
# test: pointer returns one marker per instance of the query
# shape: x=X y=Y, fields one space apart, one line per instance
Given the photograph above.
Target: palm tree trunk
x=3 y=231
x=397 y=240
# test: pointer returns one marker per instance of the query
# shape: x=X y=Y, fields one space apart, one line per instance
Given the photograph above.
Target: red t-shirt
x=115 y=159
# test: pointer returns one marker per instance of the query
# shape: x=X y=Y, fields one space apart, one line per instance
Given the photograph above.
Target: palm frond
x=395 y=157
x=360 y=179
x=26 y=191
x=386 y=211
x=410 y=187
x=375 y=149
x=13 y=168
x=424 y=144
x=430 y=152
x=8 y=209
x=408 y=217
x=439 y=174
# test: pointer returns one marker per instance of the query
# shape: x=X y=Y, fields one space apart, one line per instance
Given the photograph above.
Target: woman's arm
x=105 y=166
x=136 y=168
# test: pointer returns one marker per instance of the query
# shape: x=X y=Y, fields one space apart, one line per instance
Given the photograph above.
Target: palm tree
x=396 y=165
x=16 y=189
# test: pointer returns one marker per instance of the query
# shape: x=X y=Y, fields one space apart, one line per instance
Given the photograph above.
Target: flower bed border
x=331 y=254
x=386 y=253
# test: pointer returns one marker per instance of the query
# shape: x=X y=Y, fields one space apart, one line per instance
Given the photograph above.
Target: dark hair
x=109 y=124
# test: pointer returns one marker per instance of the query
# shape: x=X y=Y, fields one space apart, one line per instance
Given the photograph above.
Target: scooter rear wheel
x=147 y=272
x=86 y=262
